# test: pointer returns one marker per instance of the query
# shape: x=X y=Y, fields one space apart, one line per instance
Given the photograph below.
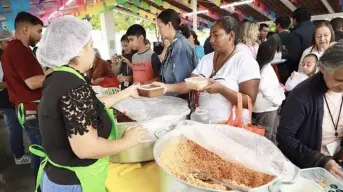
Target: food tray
x=150 y=91
x=196 y=83
x=323 y=178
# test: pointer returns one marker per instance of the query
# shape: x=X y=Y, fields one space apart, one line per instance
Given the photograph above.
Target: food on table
x=150 y=91
x=196 y=83
x=184 y=157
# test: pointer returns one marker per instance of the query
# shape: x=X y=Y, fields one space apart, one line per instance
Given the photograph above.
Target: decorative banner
x=166 y=5
x=153 y=10
x=134 y=9
x=273 y=15
x=110 y=2
x=122 y=2
x=186 y=2
x=144 y=5
x=159 y=2
x=250 y=18
x=201 y=7
x=216 y=2
x=136 y=2
x=142 y=13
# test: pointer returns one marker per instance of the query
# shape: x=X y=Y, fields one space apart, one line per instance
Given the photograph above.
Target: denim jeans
x=49 y=186
x=32 y=128
x=15 y=131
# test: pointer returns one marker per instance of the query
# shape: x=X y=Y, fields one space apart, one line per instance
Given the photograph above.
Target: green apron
x=92 y=177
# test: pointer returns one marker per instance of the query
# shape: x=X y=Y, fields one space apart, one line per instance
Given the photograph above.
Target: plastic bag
x=157 y=115
x=102 y=91
x=144 y=109
x=239 y=145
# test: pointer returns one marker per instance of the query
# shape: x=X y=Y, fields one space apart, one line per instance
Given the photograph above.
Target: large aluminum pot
x=142 y=152
x=170 y=183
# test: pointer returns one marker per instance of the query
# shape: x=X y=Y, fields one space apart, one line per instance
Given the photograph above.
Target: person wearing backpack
x=300 y=38
x=281 y=38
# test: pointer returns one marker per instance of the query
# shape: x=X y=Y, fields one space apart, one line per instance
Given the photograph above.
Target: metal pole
x=195 y=15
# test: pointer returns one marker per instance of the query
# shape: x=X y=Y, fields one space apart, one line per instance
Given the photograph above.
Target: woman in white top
x=270 y=93
x=323 y=38
x=230 y=71
x=247 y=37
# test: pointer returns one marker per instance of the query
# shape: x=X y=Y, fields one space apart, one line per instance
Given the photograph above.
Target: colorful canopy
x=208 y=10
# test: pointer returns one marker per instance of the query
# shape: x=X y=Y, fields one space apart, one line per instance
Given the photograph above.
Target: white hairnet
x=63 y=40
x=5 y=35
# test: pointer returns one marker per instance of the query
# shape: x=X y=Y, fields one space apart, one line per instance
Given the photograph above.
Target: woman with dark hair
x=180 y=59
x=228 y=70
x=193 y=40
x=323 y=38
x=270 y=94
x=311 y=126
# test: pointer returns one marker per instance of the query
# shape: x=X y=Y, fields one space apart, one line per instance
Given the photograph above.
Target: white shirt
x=270 y=93
x=239 y=68
x=294 y=80
x=328 y=134
x=251 y=50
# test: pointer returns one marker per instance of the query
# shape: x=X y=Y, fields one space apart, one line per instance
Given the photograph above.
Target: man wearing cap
x=15 y=130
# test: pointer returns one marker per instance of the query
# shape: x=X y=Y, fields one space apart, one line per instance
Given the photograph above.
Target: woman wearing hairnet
x=77 y=129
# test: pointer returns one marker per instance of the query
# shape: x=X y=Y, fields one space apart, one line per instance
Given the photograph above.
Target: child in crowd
x=309 y=68
x=121 y=64
x=270 y=94
x=145 y=63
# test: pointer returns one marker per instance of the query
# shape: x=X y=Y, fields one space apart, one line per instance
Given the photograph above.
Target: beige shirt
x=334 y=101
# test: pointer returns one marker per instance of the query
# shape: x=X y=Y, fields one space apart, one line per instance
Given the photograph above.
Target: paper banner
x=186 y=2
x=134 y=9
x=216 y=2
x=151 y=17
x=142 y=13
x=166 y=5
x=110 y=2
x=256 y=3
x=136 y=2
x=273 y=15
x=250 y=18
x=159 y=2
x=153 y=10
x=99 y=7
x=144 y=5
x=262 y=7
x=201 y=7
x=122 y=2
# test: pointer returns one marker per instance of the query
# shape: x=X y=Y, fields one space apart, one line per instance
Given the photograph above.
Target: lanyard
x=339 y=115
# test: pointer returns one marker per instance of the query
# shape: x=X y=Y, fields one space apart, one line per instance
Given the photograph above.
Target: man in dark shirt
x=300 y=38
x=337 y=25
x=264 y=30
x=281 y=38
x=24 y=75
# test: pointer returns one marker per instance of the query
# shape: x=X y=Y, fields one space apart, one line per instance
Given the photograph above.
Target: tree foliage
x=122 y=22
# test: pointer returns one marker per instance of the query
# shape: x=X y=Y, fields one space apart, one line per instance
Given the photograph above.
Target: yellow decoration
x=166 y=5
x=153 y=10
x=98 y=7
x=217 y=2
x=110 y=2
x=186 y=2
x=142 y=13
x=151 y=16
x=133 y=177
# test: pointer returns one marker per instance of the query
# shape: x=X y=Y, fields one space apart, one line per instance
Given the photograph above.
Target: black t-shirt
x=67 y=107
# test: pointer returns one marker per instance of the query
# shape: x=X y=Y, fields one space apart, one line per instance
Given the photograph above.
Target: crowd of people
x=48 y=93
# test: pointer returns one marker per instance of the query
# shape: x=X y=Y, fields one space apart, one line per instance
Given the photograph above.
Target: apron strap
x=21 y=114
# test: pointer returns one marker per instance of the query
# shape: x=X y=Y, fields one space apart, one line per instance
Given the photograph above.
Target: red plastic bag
x=109 y=82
